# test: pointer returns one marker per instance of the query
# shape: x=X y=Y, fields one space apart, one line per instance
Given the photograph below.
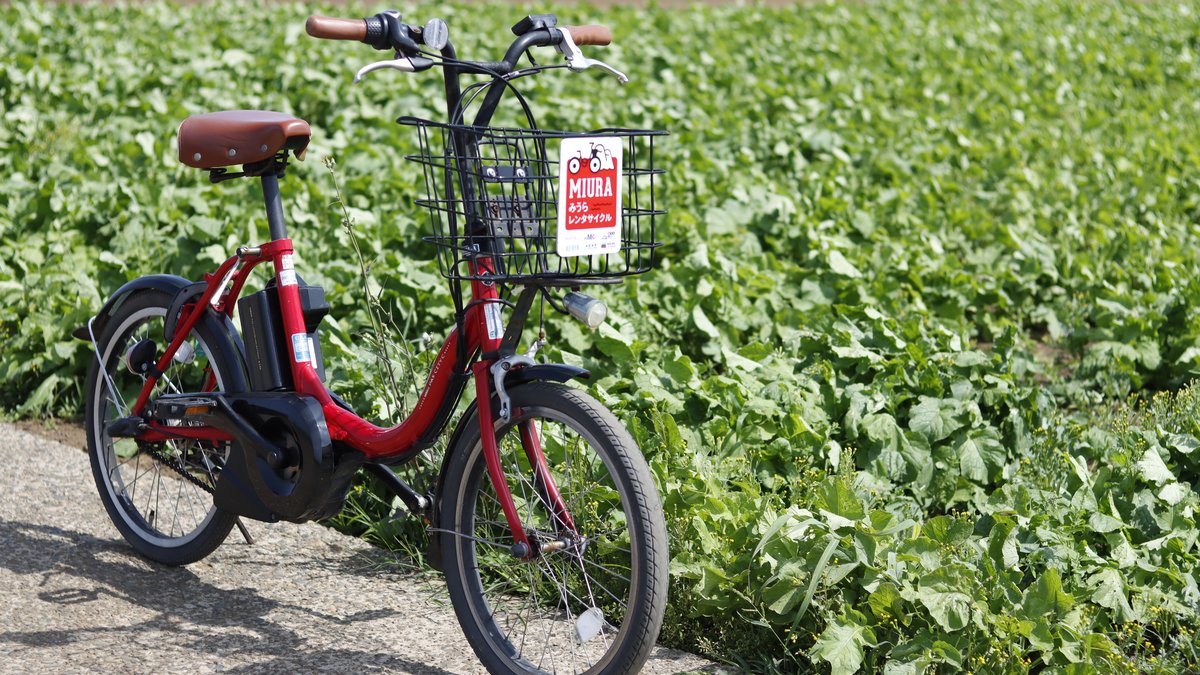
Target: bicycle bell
x=435 y=34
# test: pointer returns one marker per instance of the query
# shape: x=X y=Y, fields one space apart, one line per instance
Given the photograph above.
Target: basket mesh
x=500 y=192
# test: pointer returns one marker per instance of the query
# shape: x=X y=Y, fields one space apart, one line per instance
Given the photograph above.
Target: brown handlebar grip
x=329 y=28
x=590 y=35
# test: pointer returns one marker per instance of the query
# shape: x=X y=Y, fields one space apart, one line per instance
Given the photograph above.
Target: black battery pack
x=267 y=345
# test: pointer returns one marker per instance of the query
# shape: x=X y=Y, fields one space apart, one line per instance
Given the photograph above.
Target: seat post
x=270 y=186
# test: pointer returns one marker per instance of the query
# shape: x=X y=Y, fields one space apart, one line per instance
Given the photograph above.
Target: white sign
x=589 y=196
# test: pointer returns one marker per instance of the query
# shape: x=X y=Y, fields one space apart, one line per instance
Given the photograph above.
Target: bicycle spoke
x=541 y=610
x=192 y=507
x=563 y=592
x=159 y=505
x=175 y=515
x=137 y=466
x=156 y=490
x=604 y=588
x=530 y=599
x=117 y=465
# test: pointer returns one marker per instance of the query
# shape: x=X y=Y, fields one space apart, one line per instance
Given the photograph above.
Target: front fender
x=546 y=372
x=543 y=372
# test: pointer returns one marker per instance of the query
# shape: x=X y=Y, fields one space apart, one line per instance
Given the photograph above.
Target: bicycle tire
x=141 y=315
x=483 y=591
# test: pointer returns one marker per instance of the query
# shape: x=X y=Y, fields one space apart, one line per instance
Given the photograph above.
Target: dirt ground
x=68 y=432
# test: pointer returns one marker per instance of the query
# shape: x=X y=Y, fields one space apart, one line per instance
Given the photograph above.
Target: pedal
x=181 y=406
x=126 y=427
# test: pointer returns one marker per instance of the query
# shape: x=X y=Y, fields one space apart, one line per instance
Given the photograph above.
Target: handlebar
x=599 y=36
x=330 y=28
x=387 y=30
x=379 y=32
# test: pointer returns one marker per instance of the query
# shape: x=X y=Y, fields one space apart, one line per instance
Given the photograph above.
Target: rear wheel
x=158 y=494
x=592 y=597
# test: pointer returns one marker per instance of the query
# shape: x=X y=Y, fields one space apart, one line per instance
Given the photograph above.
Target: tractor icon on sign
x=601 y=159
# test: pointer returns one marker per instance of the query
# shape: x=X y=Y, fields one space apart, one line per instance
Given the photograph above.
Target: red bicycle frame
x=376 y=443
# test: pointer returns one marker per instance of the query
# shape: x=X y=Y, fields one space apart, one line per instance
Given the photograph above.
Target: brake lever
x=577 y=62
x=404 y=64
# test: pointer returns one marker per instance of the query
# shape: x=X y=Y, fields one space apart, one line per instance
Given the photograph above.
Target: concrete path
x=74 y=597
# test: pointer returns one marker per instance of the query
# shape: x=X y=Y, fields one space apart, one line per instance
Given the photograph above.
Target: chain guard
x=297 y=487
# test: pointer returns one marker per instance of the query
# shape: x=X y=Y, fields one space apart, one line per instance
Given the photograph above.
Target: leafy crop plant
x=930 y=268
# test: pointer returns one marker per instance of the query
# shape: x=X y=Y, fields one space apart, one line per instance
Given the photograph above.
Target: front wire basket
x=503 y=191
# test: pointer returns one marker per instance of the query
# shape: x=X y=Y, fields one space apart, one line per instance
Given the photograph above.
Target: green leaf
x=947 y=602
x=1109 y=592
x=856 y=351
x=979 y=455
x=703 y=324
x=835 y=496
x=1046 y=596
x=1101 y=523
x=934 y=418
x=784 y=590
x=1152 y=468
x=947 y=530
x=614 y=345
x=839 y=265
x=1182 y=443
x=1002 y=544
x=830 y=547
x=841 y=646
x=1041 y=638
x=680 y=369
x=885 y=602
x=1173 y=493
x=882 y=428
x=944 y=652
x=738 y=361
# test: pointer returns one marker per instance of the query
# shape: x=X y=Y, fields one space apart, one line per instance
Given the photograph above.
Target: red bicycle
x=544 y=517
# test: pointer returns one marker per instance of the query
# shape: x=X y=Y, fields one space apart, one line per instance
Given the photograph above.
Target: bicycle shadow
x=176 y=607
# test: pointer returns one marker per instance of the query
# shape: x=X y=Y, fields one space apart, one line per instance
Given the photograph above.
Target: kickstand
x=242 y=528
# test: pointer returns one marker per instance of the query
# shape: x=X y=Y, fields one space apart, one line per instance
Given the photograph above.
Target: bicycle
x=598 y=158
x=544 y=517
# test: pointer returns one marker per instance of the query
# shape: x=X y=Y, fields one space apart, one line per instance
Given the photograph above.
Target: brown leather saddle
x=229 y=137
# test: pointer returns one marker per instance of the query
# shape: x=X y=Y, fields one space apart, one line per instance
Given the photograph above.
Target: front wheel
x=592 y=597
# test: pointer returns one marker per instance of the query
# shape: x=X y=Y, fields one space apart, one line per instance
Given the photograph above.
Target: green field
x=912 y=375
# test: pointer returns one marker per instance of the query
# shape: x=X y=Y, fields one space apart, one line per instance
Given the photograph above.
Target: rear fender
x=183 y=290
x=167 y=283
